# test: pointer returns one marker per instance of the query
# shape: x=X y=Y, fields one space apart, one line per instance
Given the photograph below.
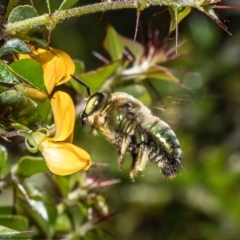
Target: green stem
x=50 y=21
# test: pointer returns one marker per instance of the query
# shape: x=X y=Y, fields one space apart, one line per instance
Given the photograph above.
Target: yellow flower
x=57 y=66
x=62 y=157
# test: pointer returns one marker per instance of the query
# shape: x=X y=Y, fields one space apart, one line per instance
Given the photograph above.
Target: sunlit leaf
x=29 y=165
x=95 y=79
x=113 y=45
x=6 y=75
x=79 y=67
x=6 y=233
x=162 y=73
x=177 y=15
x=31 y=72
x=66 y=4
x=17 y=222
x=14 y=46
x=44 y=214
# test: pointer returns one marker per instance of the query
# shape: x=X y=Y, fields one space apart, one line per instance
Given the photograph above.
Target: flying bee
x=131 y=127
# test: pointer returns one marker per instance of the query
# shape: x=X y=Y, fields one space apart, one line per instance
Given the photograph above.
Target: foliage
x=39 y=103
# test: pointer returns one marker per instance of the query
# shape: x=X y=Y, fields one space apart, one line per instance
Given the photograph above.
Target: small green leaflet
x=14 y=46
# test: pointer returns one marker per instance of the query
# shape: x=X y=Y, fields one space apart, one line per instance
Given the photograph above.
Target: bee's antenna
x=86 y=86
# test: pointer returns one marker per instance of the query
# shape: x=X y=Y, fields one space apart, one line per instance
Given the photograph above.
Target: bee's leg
x=128 y=130
x=139 y=160
x=123 y=150
x=133 y=167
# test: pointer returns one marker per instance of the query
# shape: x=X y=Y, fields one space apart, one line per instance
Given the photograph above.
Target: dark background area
x=203 y=201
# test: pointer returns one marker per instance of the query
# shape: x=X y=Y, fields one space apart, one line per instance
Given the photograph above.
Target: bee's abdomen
x=164 y=149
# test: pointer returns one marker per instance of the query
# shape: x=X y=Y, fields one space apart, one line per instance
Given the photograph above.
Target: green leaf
x=22 y=12
x=136 y=49
x=79 y=66
x=177 y=15
x=17 y=222
x=14 y=46
x=29 y=165
x=6 y=233
x=63 y=184
x=22 y=110
x=66 y=4
x=113 y=44
x=63 y=223
x=161 y=73
x=3 y=155
x=34 y=34
x=6 y=75
x=95 y=79
x=6 y=210
x=51 y=6
x=43 y=214
x=31 y=72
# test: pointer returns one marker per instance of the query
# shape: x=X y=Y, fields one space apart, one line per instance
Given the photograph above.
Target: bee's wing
x=173 y=110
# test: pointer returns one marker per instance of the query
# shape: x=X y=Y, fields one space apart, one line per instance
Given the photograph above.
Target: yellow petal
x=64 y=158
x=64 y=115
x=64 y=59
x=57 y=65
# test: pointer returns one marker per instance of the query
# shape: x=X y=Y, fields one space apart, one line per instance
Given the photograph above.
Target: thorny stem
x=51 y=20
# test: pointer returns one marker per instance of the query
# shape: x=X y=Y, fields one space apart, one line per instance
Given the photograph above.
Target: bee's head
x=94 y=104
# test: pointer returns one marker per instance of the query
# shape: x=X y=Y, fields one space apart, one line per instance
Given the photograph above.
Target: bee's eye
x=94 y=103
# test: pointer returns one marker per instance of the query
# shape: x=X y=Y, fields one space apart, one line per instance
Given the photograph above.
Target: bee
x=132 y=128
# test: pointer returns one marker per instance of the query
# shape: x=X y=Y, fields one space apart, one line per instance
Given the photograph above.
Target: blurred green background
x=203 y=202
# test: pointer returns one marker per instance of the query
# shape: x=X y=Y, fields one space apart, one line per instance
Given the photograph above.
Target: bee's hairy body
x=131 y=127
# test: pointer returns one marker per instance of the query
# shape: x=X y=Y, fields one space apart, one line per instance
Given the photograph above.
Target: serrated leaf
x=14 y=46
x=113 y=44
x=22 y=110
x=3 y=155
x=95 y=79
x=31 y=72
x=177 y=15
x=6 y=233
x=29 y=165
x=6 y=76
x=66 y=4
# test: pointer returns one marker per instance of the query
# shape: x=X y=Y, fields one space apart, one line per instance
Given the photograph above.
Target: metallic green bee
x=131 y=127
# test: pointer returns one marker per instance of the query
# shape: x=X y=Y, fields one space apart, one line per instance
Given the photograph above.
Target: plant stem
x=50 y=20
